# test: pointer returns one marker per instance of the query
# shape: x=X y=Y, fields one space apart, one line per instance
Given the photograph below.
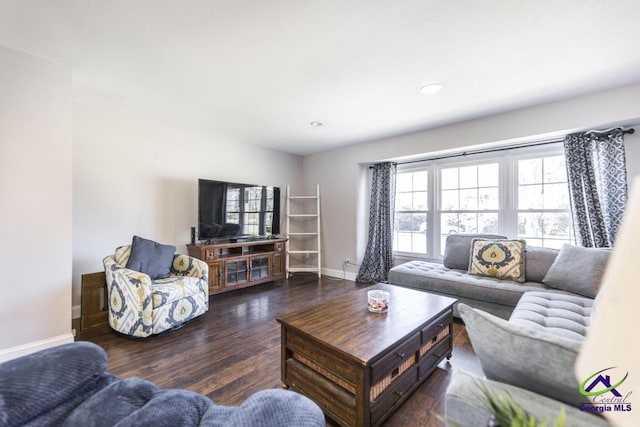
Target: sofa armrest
x=185 y=265
x=113 y=269
x=130 y=298
x=524 y=357
x=464 y=405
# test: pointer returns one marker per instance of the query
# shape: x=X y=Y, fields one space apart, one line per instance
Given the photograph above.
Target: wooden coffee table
x=359 y=366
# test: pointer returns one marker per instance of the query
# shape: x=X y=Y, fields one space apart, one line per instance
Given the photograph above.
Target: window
x=520 y=193
x=252 y=200
x=253 y=205
x=469 y=201
x=233 y=205
x=412 y=210
x=543 y=202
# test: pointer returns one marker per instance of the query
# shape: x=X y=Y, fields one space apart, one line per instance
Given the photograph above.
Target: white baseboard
x=339 y=274
x=76 y=313
x=32 y=347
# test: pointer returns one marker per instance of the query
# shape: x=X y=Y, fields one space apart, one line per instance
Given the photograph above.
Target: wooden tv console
x=236 y=265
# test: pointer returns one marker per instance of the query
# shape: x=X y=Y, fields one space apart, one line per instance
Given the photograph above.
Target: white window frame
x=429 y=168
x=472 y=160
x=507 y=192
x=534 y=154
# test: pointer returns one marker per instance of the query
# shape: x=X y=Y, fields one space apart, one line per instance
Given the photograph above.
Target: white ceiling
x=259 y=71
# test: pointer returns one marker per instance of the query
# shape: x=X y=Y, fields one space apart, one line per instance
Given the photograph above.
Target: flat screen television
x=231 y=210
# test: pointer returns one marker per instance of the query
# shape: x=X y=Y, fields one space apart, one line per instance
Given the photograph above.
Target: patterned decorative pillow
x=502 y=259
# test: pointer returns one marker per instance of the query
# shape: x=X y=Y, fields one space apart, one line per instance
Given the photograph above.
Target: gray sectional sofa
x=498 y=296
x=527 y=335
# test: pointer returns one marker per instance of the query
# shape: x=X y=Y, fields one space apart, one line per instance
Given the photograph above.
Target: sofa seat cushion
x=568 y=316
x=433 y=276
x=175 y=288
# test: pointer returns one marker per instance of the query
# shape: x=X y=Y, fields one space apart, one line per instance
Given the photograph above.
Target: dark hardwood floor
x=233 y=350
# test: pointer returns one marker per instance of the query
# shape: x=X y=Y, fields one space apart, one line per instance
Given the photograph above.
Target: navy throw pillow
x=151 y=258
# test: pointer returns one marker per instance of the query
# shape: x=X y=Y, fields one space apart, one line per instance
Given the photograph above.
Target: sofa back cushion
x=537 y=262
x=457 y=250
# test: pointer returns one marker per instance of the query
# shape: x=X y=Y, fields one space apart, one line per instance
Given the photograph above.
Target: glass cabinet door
x=260 y=267
x=236 y=272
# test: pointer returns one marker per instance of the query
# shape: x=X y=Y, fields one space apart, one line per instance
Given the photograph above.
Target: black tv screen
x=232 y=210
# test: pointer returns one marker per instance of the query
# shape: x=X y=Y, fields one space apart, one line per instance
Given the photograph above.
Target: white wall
x=35 y=189
x=341 y=188
x=137 y=177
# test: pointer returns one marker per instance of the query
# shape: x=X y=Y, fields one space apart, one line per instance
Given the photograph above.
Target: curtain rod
x=629 y=131
x=509 y=147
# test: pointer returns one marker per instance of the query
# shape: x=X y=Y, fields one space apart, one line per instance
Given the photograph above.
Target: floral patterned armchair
x=139 y=306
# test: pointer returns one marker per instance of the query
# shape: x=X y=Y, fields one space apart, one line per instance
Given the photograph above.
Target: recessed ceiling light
x=316 y=124
x=431 y=88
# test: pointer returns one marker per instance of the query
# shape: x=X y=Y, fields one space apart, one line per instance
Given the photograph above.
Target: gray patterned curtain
x=597 y=174
x=378 y=257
